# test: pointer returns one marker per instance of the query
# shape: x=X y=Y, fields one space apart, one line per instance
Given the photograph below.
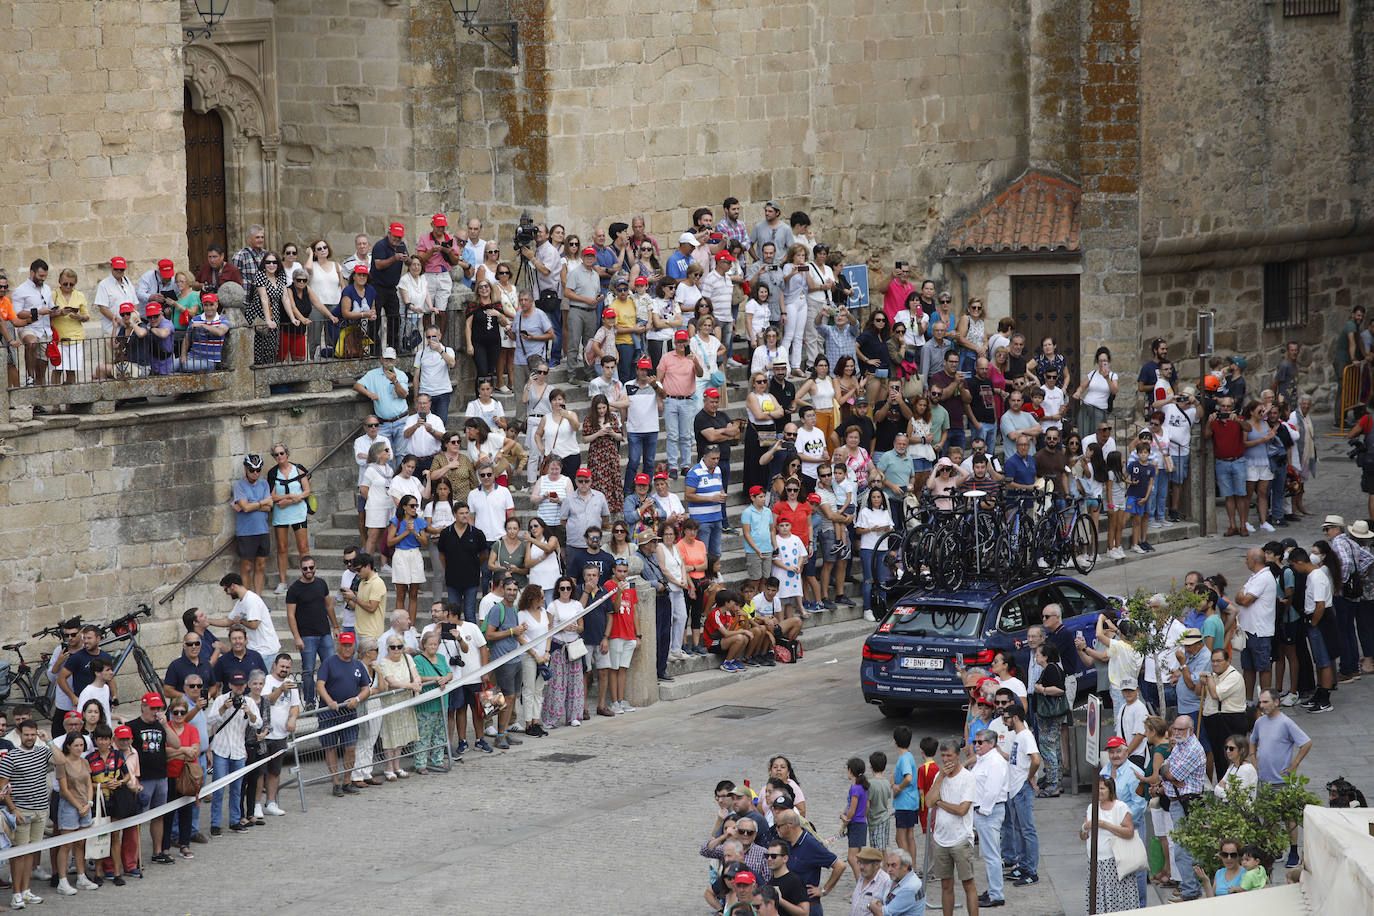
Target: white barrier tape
x=90 y=833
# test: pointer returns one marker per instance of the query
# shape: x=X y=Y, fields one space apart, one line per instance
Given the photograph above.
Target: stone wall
x=93 y=152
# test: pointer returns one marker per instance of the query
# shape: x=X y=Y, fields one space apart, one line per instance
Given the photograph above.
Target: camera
x=524 y=233
x=238 y=701
x=1357 y=449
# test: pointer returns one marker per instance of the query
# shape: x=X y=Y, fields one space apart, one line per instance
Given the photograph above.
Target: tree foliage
x=1261 y=820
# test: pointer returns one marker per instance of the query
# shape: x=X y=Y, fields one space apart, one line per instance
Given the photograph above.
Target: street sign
x=857 y=275
x=1092 y=748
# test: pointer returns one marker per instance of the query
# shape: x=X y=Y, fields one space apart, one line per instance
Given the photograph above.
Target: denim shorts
x=1230 y=477
x=1321 y=656
x=69 y=819
x=1258 y=653
x=922 y=464
x=1134 y=506
x=1180 y=472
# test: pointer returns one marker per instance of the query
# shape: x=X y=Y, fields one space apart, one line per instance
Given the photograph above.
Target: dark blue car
x=912 y=659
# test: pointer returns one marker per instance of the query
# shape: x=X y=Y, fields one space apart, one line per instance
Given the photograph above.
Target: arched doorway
x=205 y=186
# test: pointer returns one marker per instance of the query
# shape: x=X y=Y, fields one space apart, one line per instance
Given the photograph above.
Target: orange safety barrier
x=1350 y=392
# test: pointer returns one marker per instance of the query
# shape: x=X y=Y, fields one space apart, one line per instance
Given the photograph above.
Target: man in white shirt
x=99 y=689
x=474 y=249
x=1179 y=417
x=400 y=626
x=1102 y=436
x=35 y=297
x=423 y=433
x=372 y=434
x=434 y=360
x=717 y=286
x=1023 y=760
x=1257 y=599
x=465 y=647
x=950 y=800
x=989 y=810
x=643 y=402
x=113 y=291
x=491 y=505
x=285 y=698
x=250 y=611
x=362 y=254
x=1056 y=401
x=1130 y=720
x=582 y=298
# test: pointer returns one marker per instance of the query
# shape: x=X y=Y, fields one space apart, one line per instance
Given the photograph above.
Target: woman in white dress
x=378 y=508
x=541 y=555
x=670 y=561
x=565 y=692
x=326 y=282
x=709 y=349
x=537 y=623
x=405 y=482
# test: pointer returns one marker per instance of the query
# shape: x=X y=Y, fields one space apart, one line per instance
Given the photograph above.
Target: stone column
x=238 y=357
x=641 y=685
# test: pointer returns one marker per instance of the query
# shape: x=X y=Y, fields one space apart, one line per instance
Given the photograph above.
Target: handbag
x=190 y=779
x=54 y=353
x=99 y=846
x=577 y=649
x=1238 y=640
x=1048 y=706
x=1130 y=854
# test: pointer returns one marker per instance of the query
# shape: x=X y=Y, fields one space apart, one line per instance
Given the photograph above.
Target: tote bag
x=99 y=847
x=1130 y=854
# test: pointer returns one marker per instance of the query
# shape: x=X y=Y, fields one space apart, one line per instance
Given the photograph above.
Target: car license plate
x=925 y=664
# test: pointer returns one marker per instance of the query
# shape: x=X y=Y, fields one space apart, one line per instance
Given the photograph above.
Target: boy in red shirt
x=926 y=773
x=722 y=635
x=621 y=635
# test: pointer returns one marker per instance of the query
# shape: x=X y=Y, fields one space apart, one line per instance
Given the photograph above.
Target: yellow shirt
x=371 y=624
x=69 y=327
x=626 y=319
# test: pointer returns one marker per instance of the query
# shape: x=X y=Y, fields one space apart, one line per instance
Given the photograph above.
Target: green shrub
x=1263 y=821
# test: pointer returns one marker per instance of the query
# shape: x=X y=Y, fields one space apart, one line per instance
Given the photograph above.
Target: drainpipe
x=963 y=279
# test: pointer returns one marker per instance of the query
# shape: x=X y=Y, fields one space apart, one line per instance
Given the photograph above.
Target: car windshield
x=921 y=619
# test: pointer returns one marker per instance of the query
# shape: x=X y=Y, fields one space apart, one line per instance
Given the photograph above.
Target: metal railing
x=1354 y=385
x=104 y=358
x=319 y=340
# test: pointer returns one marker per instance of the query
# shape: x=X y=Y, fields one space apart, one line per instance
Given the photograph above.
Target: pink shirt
x=894 y=300
x=435 y=261
x=679 y=374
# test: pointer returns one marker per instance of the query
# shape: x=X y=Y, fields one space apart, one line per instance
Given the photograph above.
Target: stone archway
x=234 y=74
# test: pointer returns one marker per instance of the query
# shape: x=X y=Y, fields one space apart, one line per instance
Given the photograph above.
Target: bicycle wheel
x=146 y=671
x=948 y=565
x=1083 y=545
x=1005 y=560
x=984 y=545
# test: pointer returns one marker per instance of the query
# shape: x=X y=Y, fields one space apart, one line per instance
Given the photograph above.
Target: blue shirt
x=905 y=898
x=706 y=483
x=409 y=542
x=606 y=257
x=1020 y=470
x=250 y=662
x=288 y=485
x=759 y=522
x=1274 y=741
x=839 y=341
x=908 y=799
x=388 y=406
x=1222 y=886
x=343 y=680
x=385 y=277
x=250 y=523
x=1011 y=422
x=806 y=860
x=503 y=617
x=1138 y=476
x=677 y=265
x=1127 y=777
x=1197 y=664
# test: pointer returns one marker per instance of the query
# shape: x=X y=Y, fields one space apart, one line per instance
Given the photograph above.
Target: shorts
x=1134 y=506
x=1179 y=474
x=952 y=861
x=717 y=650
x=1316 y=641
x=922 y=464
x=153 y=794
x=858 y=835
x=72 y=356
x=906 y=819
x=622 y=650
x=31 y=832
x=1287 y=634
x=1230 y=477
x=273 y=745
x=252 y=546
x=507 y=678
x=68 y=818
x=294 y=526
x=825 y=542
x=42 y=334
x=757 y=565
x=1257 y=654
x=346 y=737
x=1257 y=471
x=1092 y=502
x=408 y=567
x=469 y=695
x=1367 y=482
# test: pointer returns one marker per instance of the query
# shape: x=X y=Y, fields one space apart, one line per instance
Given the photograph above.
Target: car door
x=1081 y=605
x=1019 y=612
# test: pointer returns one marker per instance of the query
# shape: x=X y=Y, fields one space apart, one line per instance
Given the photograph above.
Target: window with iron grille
x=1292 y=8
x=1285 y=294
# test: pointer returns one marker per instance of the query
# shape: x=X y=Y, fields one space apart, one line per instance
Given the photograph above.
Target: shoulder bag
x=190 y=779
x=1129 y=854
x=99 y=847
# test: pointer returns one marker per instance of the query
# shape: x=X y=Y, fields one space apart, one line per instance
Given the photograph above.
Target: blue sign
x=857 y=275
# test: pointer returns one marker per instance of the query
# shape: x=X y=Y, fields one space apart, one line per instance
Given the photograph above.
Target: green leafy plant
x=1151 y=616
x=1262 y=820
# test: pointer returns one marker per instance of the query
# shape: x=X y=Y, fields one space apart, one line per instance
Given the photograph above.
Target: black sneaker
x=337 y=792
x=54 y=881
x=1320 y=706
x=216 y=831
x=1025 y=878
x=236 y=827
x=163 y=859
x=349 y=789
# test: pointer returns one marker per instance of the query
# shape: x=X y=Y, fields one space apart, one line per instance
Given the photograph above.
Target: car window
x=1021 y=611
x=1076 y=600
x=921 y=619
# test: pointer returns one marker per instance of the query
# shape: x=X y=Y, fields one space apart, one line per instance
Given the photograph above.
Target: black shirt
x=386 y=277
x=982 y=405
x=602 y=560
x=705 y=420
x=462 y=552
x=1016 y=366
x=791 y=888
x=231 y=664
x=312 y=617
x=785 y=393
x=150 y=739
x=886 y=429
x=1062 y=639
x=79 y=664
x=180 y=669
x=873 y=347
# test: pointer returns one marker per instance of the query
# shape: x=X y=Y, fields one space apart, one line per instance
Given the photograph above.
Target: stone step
x=813 y=641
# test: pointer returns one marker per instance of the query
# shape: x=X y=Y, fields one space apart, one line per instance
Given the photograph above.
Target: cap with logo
x=1129 y=683
x=440 y=220
x=154 y=700
x=712 y=392
x=1116 y=741
x=118 y=263
x=348 y=638
x=680 y=334
x=644 y=363
x=151 y=309
x=389 y=353
x=622 y=281
x=209 y=297
x=123 y=731
x=608 y=313
x=641 y=281
x=361 y=269
x=165 y=269
x=397 y=229
x=589 y=250
x=687 y=239
x=583 y=473
x=642 y=479
x=723 y=256
x=127 y=308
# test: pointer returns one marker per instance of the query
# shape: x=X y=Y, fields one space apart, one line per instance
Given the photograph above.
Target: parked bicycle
x=35 y=686
x=125 y=630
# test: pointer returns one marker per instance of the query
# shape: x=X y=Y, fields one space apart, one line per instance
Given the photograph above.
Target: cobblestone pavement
x=614 y=827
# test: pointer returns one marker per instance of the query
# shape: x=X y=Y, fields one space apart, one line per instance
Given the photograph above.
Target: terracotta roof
x=1036 y=214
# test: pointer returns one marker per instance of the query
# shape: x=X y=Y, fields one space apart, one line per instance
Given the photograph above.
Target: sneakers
x=280 y=590
x=1149 y=548
x=516 y=727
x=1293 y=858
x=1026 y=878
x=768 y=661
x=162 y=858
x=1264 y=526
x=626 y=707
x=1249 y=528
x=502 y=743
x=1289 y=699
x=31 y=897
x=274 y=809
x=257 y=810
x=1319 y=706
x=868 y=615
x=65 y=889
x=482 y=745
x=462 y=746
x=349 y=789
x=85 y=884
x=536 y=731
x=728 y=665
x=512 y=740
x=490 y=731
x=847 y=602
x=1138 y=548
x=217 y=831
x=1156 y=523
x=17 y=901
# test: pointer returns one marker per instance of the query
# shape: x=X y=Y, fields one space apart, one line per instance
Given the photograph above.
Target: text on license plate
x=927 y=664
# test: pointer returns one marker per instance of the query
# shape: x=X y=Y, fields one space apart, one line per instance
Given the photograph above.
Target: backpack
x=787 y=651
x=311 y=504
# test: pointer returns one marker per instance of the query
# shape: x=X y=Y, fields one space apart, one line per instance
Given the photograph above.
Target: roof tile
x=1037 y=213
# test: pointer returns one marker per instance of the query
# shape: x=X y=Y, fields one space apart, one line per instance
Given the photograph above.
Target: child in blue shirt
x=1140 y=481
x=756 y=522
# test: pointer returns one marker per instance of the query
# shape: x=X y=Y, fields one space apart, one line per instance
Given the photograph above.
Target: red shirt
x=800 y=518
x=717 y=622
x=894 y=300
x=623 y=615
x=925 y=778
x=189 y=735
x=1228 y=439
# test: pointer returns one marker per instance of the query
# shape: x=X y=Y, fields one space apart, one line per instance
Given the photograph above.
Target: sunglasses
x=321 y=247
x=189 y=686
x=394 y=645
x=279 y=454
x=188 y=643
x=307 y=569
x=292 y=251
x=266 y=263
x=178 y=712
x=792 y=490
x=777 y=855
x=503 y=273
x=1228 y=855
x=746 y=832
x=568 y=588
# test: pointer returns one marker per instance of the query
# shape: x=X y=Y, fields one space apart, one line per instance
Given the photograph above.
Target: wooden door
x=1045 y=306
x=205 y=204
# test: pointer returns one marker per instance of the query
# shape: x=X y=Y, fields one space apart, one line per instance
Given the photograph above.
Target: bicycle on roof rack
x=125 y=630
x=36 y=687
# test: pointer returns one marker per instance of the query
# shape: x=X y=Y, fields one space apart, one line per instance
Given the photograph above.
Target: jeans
x=677 y=601
x=989 y=828
x=625 y=362
x=1025 y=843
x=556 y=352
x=1188 y=888
x=394 y=430
x=677 y=418
x=1159 y=498
x=316 y=647
x=467 y=599
x=710 y=536
x=956 y=437
x=988 y=433
x=663 y=624
x=438 y=404
x=643 y=447
x=1348 y=649
x=871 y=568
x=223 y=767
x=196 y=364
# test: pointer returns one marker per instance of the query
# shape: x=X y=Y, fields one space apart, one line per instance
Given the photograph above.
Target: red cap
x=210 y=297
x=72 y=715
x=744 y=877
x=361 y=269
x=724 y=256
x=712 y=392
x=396 y=229
x=641 y=281
x=118 y=263
x=755 y=490
x=681 y=334
x=1116 y=741
x=589 y=250
x=814 y=498
x=165 y=269
x=127 y=308
x=643 y=479
x=584 y=472
x=151 y=309
x=660 y=476
x=644 y=363
x=984 y=680
x=154 y=700
x=123 y=731
x=348 y=638
x=440 y=220
x=608 y=313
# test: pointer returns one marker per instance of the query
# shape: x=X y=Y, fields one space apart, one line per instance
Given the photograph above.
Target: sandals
x=390 y=776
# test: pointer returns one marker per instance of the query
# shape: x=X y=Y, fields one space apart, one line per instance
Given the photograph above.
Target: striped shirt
x=205 y=345
x=27 y=773
x=706 y=483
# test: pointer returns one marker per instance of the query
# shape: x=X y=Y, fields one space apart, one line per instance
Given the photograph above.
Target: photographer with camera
x=440 y=256
x=463 y=646
x=1227 y=433
x=388 y=258
x=230 y=716
x=547 y=261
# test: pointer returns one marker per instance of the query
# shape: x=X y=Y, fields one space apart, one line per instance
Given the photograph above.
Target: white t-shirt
x=281 y=709
x=101 y=694
x=1016 y=686
x=1178 y=427
x=872 y=518
x=536 y=630
x=667 y=310
x=361 y=446
x=402 y=486
x=472 y=658
x=1020 y=747
x=489 y=601
x=642 y=416
x=1055 y=398
x=1130 y=721
x=1258 y=618
x=1319 y=588
x=811 y=442
x=563 y=612
x=439 y=515
x=1098 y=391
x=487 y=412
x=489 y=510
x=434 y=371
x=951 y=830
x=915 y=335
x=264 y=639
x=760 y=316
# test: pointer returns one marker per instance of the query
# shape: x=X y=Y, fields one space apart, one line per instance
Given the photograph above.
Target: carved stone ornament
x=219 y=86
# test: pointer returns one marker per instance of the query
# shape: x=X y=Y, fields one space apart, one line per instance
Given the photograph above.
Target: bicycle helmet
x=253 y=462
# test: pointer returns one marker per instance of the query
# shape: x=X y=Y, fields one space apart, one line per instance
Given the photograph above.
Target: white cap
x=389 y=353
x=687 y=239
